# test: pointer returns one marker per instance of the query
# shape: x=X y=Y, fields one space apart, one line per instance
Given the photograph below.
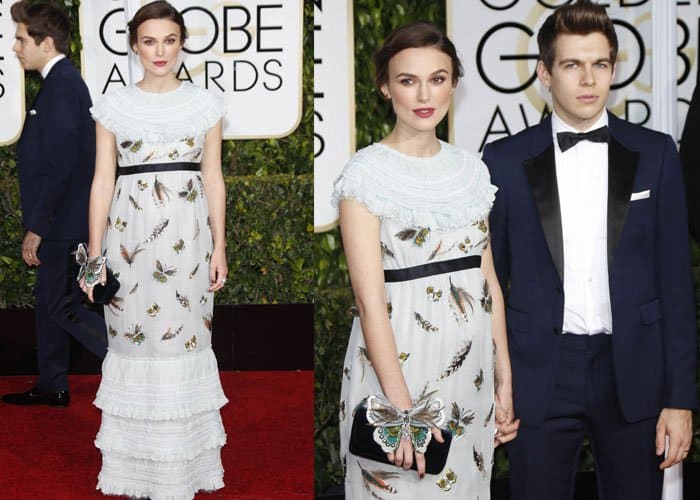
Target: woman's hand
x=405 y=455
x=88 y=289
x=506 y=424
x=218 y=269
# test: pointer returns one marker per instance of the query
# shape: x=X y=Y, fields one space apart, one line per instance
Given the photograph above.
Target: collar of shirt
x=559 y=125
x=47 y=67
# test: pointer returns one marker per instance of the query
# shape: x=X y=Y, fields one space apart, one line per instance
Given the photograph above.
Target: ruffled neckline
x=449 y=189
x=185 y=111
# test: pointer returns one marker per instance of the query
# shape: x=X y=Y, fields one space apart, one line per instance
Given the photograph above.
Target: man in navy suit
x=55 y=161
x=589 y=227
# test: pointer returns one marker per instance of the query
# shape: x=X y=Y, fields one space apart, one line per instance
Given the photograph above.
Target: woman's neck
x=422 y=144
x=159 y=84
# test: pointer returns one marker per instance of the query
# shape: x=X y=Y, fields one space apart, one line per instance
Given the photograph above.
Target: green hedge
x=374 y=118
x=269 y=216
x=269 y=239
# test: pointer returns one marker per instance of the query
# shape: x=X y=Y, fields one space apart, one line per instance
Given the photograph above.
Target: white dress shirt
x=47 y=67
x=582 y=180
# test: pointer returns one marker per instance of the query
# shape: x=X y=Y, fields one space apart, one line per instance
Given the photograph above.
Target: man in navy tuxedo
x=589 y=228
x=55 y=161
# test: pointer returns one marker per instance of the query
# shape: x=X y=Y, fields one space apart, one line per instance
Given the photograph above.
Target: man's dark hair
x=580 y=18
x=43 y=20
x=414 y=35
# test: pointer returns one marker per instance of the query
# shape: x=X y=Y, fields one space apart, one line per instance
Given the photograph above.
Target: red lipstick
x=424 y=112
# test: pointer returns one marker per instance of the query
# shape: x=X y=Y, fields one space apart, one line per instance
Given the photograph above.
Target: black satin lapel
x=542 y=176
x=622 y=168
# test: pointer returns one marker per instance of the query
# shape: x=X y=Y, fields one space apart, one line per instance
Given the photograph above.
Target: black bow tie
x=568 y=140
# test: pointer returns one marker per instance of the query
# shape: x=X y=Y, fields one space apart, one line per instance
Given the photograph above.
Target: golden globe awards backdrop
x=248 y=51
x=334 y=103
x=500 y=94
x=11 y=80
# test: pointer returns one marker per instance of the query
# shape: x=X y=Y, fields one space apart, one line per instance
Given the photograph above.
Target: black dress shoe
x=36 y=396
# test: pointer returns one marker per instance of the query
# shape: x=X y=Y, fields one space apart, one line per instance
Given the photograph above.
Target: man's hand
x=30 y=248
x=678 y=426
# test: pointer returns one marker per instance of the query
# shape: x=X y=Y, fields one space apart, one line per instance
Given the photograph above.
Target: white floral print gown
x=160 y=394
x=430 y=210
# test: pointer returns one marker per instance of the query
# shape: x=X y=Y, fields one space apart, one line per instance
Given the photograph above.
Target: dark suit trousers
x=544 y=458
x=60 y=314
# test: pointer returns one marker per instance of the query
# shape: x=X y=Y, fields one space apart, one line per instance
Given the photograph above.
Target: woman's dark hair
x=581 y=18
x=414 y=35
x=156 y=10
x=43 y=20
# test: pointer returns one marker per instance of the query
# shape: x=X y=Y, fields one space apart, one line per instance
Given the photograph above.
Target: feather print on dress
x=460 y=301
x=161 y=193
x=135 y=203
x=157 y=231
x=378 y=479
x=136 y=334
x=447 y=480
x=163 y=271
x=459 y=419
x=457 y=360
x=182 y=300
x=169 y=334
x=189 y=193
x=486 y=302
x=424 y=324
x=129 y=256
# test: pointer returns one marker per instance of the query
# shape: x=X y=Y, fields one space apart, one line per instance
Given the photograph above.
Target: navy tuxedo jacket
x=651 y=292
x=56 y=157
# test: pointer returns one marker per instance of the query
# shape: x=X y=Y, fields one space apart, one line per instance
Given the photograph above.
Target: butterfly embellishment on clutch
x=393 y=424
x=90 y=268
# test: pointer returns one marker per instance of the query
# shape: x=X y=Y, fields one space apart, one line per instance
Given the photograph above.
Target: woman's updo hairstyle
x=156 y=10
x=410 y=36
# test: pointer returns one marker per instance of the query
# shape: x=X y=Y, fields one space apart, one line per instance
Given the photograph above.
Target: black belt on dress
x=431 y=269
x=158 y=167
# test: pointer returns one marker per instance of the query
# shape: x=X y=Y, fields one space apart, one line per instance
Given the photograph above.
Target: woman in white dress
x=161 y=228
x=414 y=220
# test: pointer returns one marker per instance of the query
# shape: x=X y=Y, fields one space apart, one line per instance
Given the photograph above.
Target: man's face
x=30 y=55
x=580 y=78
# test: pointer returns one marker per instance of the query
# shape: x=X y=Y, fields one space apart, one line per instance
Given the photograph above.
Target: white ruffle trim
x=159 y=117
x=160 y=388
x=122 y=475
x=449 y=190
x=164 y=441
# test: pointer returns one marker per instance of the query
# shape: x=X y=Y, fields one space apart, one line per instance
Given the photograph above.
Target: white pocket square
x=642 y=195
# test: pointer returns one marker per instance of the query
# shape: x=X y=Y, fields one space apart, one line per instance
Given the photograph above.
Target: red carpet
x=48 y=453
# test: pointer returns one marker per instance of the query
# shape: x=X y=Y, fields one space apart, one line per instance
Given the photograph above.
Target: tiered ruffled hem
x=124 y=475
x=161 y=432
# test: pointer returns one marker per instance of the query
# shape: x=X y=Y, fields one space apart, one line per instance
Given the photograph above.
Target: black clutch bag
x=103 y=294
x=363 y=445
